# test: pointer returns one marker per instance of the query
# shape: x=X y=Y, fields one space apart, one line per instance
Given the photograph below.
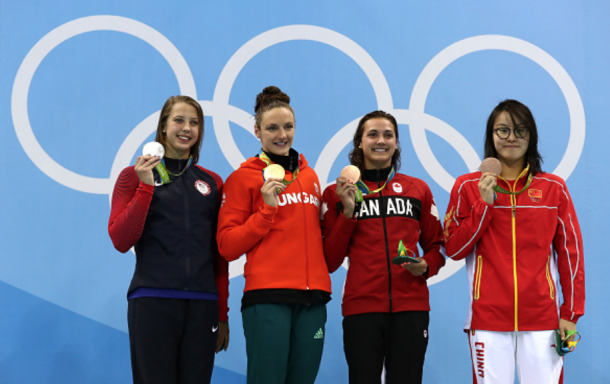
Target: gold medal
x=351 y=173
x=274 y=171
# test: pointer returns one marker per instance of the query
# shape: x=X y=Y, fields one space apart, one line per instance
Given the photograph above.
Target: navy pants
x=173 y=341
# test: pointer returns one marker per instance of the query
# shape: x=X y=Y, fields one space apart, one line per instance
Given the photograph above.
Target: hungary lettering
x=293 y=198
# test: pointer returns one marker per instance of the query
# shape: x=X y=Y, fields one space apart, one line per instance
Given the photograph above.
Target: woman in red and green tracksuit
x=276 y=224
x=520 y=237
x=386 y=306
x=167 y=210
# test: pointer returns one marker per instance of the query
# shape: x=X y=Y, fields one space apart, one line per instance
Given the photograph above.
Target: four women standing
x=516 y=229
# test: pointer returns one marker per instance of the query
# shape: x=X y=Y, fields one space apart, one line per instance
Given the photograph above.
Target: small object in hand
x=153 y=149
x=492 y=165
x=351 y=173
x=274 y=171
x=405 y=255
x=565 y=346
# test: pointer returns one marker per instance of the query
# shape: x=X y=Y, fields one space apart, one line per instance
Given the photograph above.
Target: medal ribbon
x=164 y=173
x=263 y=156
x=497 y=188
x=364 y=190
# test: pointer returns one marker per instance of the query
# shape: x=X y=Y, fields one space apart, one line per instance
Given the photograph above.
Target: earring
x=164 y=131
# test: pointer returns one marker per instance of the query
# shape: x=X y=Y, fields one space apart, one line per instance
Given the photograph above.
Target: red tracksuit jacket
x=283 y=245
x=403 y=210
x=514 y=250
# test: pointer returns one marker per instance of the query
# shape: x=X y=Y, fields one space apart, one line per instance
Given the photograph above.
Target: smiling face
x=512 y=150
x=378 y=143
x=181 y=131
x=276 y=131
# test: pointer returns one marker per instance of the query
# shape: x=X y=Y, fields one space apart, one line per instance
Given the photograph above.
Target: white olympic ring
x=222 y=112
x=275 y=36
x=455 y=51
x=23 y=79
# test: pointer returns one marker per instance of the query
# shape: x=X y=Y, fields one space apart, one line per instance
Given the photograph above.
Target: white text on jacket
x=293 y=198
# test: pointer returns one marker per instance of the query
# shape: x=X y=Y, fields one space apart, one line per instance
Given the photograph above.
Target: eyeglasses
x=504 y=133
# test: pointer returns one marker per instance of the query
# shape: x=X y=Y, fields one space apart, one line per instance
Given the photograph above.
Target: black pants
x=397 y=341
x=173 y=341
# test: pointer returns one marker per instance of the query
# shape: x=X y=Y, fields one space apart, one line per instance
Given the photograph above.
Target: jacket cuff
x=223 y=315
x=345 y=225
x=483 y=202
x=146 y=187
x=569 y=317
x=433 y=266
x=268 y=212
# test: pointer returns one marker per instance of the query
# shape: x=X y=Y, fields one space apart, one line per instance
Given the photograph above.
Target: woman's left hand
x=223 y=336
x=417 y=269
x=564 y=327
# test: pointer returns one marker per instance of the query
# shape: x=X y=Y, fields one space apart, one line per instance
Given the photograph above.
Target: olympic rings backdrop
x=82 y=83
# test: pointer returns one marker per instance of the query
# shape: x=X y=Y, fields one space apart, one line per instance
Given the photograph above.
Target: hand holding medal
x=347 y=191
x=491 y=165
x=490 y=169
x=273 y=175
x=351 y=175
x=153 y=149
x=152 y=153
x=274 y=171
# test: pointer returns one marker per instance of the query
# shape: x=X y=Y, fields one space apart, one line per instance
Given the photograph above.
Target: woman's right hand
x=486 y=187
x=144 y=166
x=270 y=190
x=347 y=194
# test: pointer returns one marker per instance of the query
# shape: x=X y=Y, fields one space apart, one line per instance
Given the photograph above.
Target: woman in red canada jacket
x=275 y=221
x=167 y=208
x=386 y=306
x=519 y=234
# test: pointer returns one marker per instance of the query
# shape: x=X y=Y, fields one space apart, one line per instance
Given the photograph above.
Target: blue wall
x=81 y=84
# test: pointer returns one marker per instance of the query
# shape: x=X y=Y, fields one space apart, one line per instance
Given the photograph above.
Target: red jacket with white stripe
x=403 y=210
x=515 y=249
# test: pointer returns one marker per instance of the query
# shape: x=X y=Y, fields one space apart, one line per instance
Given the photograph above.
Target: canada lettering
x=388 y=206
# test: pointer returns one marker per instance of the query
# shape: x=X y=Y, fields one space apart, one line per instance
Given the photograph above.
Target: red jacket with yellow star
x=517 y=250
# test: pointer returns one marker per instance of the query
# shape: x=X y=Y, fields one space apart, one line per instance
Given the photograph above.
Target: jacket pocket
x=477 y=277
x=549 y=279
